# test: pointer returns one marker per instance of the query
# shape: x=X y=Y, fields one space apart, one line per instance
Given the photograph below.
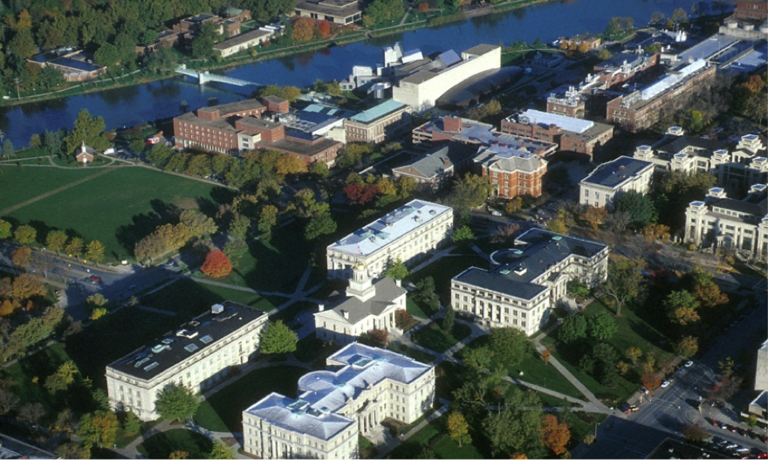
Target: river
x=130 y=105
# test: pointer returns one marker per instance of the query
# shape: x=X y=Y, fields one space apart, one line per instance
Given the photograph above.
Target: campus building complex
x=611 y=179
x=363 y=386
x=198 y=355
x=408 y=234
x=571 y=134
x=525 y=283
x=378 y=124
x=365 y=305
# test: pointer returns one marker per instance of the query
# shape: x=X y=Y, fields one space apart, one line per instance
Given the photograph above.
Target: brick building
x=570 y=103
x=572 y=134
x=751 y=9
x=380 y=123
x=513 y=173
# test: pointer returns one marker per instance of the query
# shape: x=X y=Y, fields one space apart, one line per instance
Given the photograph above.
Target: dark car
x=95 y=279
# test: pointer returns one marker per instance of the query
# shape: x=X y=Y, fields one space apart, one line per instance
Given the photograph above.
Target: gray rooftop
x=323 y=393
x=287 y=144
x=242 y=38
x=536 y=252
x=202 y=332
x=386 y=293
x=233 y=107
x=508 y=160
x=439 y=159
x=614 y=173
x=674 y=144
x=389 y=228
x=530 y=116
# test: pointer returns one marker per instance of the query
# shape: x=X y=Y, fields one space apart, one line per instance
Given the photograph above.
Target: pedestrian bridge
x=205 y=77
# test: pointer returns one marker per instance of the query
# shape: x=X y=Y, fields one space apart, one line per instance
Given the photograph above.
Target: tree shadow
x=42 y=230
x=144 y=224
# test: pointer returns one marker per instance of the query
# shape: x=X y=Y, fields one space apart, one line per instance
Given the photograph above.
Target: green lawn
x=22 y=184
x=188 y=298
x=534 y=369
x=162 y=444
x=418 y=308
x=39 y=365
x=434 y=338
x=275 y=265
x=446 y=268
x=117 y=208
x=224 y=410
x=632 y=332
x=435 y=437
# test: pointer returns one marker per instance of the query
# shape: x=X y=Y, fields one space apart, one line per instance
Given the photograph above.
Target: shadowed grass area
x=162 y=444
x=434 y=338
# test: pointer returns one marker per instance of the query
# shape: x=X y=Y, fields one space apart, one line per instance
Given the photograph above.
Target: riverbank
x=143 y=76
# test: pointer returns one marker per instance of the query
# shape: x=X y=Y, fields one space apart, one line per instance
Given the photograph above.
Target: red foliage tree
x=554 y=435
x=324 y=27
x=650 y=379
x=423 y=7
x=375 y=338
x=216 y=264
x=361 y=194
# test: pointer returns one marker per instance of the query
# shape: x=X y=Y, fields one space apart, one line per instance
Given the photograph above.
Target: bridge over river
x=204 y=77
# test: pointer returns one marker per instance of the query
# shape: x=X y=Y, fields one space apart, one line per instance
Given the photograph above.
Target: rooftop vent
x=217 y=308
x=167 y=341
x=517 y=252
x=151 y=366
x=504 y=272
x=158 y=348
x=521 y=270
x=557 y=238
x=187 y=334
x=141 y=362
x=206 y=339
x=191 y=348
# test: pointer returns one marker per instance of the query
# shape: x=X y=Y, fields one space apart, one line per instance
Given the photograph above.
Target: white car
x=688 y=364
x=665 y=384
x=496 y=213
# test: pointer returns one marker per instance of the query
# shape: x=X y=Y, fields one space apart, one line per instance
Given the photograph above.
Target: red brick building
x=513 y=173
x=751 y=9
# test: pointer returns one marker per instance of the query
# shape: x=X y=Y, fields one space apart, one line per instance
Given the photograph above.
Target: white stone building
x=408 y=233
x=613 y=178
x=526 y=282
x=421 y=89
x=366 y=305
x=724 y=222
x=365 y=386
x=199 y=354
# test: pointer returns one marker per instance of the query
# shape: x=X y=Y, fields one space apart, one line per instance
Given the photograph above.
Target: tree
x=657 y=17
x=75 y=247
x=601 y=326
x=107 y=55
x=132 y=423
x=31 y=413
x=509 y=345
x=650 y=379
x=22 y=256
x=216 y=264
x=375 y=338
x=267 y=221
x=458 y=428
x=516 y=427
x=56 y=240
x=396 y=270
x=289 y=164
x=35 y=141
x=99 y=428
x=179 y=454
x=5 y=229
x=679 y=15
x=303 y=29
x=25 y=234
x=470 y=191
x=27 y=286
x=687 y=346
x=8 y=149
x=87 y=129
x=478 y=358
x=74 y=450
x=572 y=329
x=694 y=433
x=219 y=450
x=202 y=44
x=656 y=232
x=319 y=224
x=681 y=307
x=197 y=223
x=177 y=402
x=639 y=208
x=94 y=251
x=239 y=227
x=277 y=338
x=8 y=401
x=634 y=353
x=62 y=378
x=448 y=320
x=594 y=216
x=623 y=282
x=554 y=435
x=463 y=236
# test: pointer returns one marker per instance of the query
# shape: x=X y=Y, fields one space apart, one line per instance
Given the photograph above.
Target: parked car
x=688 y=364
x=665 y=384
x=496 y=213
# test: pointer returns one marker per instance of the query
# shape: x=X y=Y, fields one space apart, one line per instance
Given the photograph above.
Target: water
x=131 y=105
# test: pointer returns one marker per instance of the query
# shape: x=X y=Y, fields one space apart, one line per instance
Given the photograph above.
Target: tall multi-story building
x=641 y=109
x=385 y=121
x=611 y=179
x=526 y=282
x=364 y=386
x=571 y=134
x=512 y=173
x=198 y=355
x=408 y=234
x=741 y=225
x=365 y=305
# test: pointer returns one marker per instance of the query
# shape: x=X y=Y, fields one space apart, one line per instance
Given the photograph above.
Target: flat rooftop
x=234 y=107
x=323 y=393
x=287 y=144
x=379 y=111
x=616 y=172
x=222 y=124
x=238 y=40
x=535 y=252
x=389 y=228
x=187 y=342
x=530 y=116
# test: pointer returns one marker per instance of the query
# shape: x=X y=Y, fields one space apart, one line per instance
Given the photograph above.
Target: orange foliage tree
x=303 y=29
x=650 y=379
x=324 y=27
x=518 y=455
x=21 y=256
x=554 y=435
x=216 y=264
x=423 y=7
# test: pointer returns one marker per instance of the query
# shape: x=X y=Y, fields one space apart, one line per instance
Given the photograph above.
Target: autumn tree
x=375 y=338
x=277 y=338
x=5 y=229
x=75 y=247
x=361 y=194
x=94 y=251
x=303 y=29
x=554 y=435
x=99 y=428
x=22 y=256
x=706 y=292
x=687 y=346
x=594 y=216
x=694 y=433
x=289 y=164
x=546 y=356
x=25 y=234
x=650 y=379
x=216 y=264
x=656 y=232
x=634 y=354
x=681 y=307
x=179 y=454
x=324 y=27
x=458 y=428
x=56 y=240
x=623 y=282
x=177 y=402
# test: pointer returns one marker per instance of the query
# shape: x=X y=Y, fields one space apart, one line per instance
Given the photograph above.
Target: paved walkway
x=382 y=451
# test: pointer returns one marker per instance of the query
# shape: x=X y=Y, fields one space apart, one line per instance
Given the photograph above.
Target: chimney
x=452 y=124
x=399 y=283
x=320 y=307
x=345 y=313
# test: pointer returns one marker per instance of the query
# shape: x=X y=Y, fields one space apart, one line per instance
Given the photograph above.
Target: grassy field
x=22 y=184
x=418 y=308
x=189 y=298
x=223 y=410
x=118 y=207
x=446 y=268
x=162 y=444
x=435 y=437
x=632 y=332
x=39 y=365
x=434 y=338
